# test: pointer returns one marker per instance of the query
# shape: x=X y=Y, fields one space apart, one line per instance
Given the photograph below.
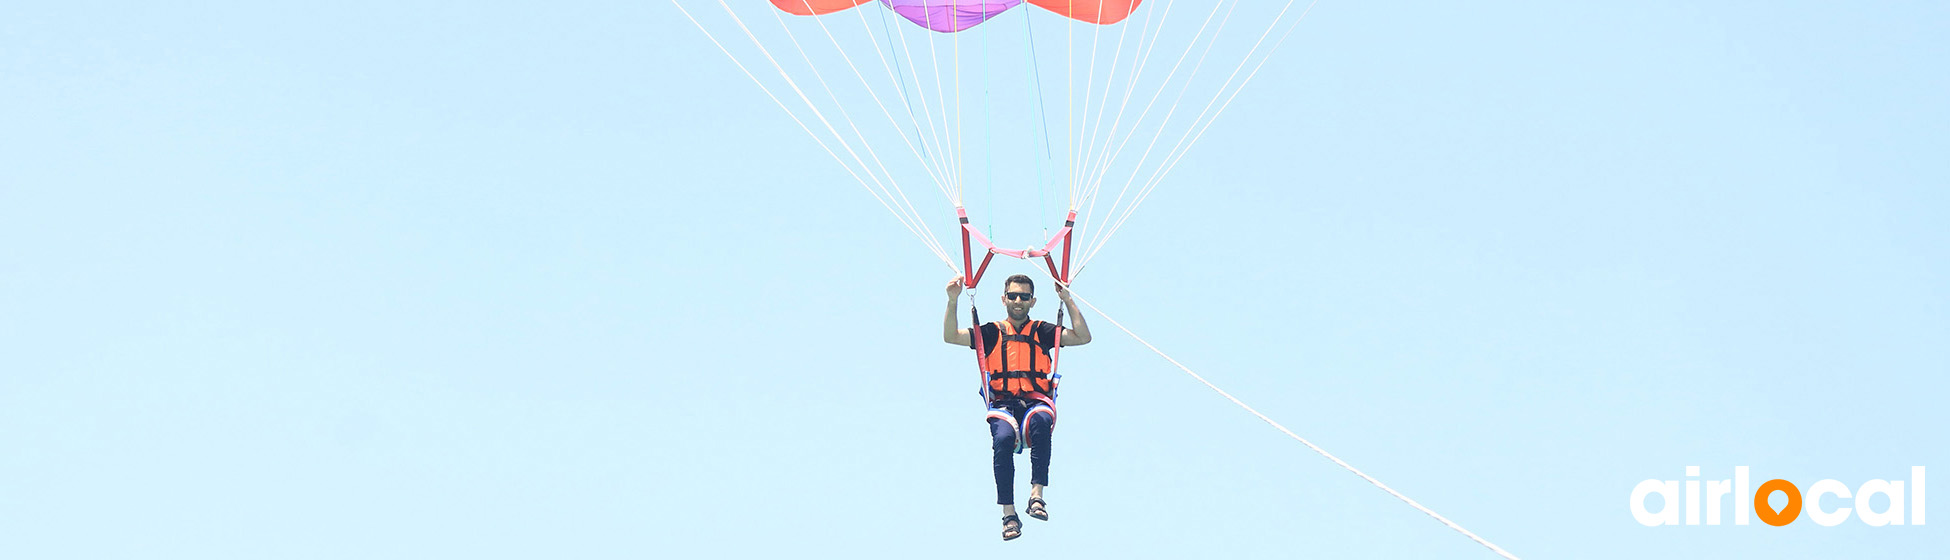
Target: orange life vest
x=1016 y=363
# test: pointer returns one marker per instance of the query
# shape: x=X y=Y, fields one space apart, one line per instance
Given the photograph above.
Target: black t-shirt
x=1045 y=335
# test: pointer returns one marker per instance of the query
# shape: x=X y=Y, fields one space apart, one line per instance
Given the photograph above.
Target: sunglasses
x=1018 y=296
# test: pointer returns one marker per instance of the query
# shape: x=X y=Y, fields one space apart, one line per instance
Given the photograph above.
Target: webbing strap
x=1018 y=375
x=1004 y=349
x=975 y=342
x=1056 y=345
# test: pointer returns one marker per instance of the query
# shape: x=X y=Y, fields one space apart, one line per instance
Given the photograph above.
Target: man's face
x=1018 y=299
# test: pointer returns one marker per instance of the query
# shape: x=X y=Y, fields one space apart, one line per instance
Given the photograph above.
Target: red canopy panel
x=1103 y=12
x=815 y=7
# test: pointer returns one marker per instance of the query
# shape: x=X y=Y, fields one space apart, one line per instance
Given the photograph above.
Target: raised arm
x=1080 y=334
x=951 y=331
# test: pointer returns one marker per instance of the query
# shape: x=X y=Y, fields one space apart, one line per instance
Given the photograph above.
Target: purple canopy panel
x=948 y=16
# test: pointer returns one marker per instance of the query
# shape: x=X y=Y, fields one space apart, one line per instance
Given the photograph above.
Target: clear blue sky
x=444 y=280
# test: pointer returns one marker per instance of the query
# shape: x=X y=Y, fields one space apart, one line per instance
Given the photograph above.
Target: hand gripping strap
x=981 y=351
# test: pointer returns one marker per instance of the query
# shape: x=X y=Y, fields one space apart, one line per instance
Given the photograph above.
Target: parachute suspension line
x=1029 y=52
x=892 y=186
x=912 y=221
x=1095 y=149
x=988 y=133
x=1095 y=167
x=1303 y=441
x=1096 y=122
x=911 y=228
x=1139 y=64
x=1163 y=125
x=844 y=114
x=1172 y=162
x=927 y=111
x=870 y=93
x=1089 y=81
x=1114 y=210
x=950 y=133
x=953 y=150
x=925 y=155
x=961 y=153
x=899 y=75
x=1097 y=185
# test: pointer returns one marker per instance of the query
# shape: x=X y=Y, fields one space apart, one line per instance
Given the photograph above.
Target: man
x=1018 y=356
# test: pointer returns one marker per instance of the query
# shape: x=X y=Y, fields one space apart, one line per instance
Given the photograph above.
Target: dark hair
x=1020 y=279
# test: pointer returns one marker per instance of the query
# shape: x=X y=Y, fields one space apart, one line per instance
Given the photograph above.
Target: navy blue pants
x=1012 y=424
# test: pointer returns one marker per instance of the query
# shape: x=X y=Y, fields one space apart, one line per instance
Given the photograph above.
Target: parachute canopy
x=949 y=16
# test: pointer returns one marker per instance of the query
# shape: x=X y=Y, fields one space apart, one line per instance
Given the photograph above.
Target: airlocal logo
x=1716 y=490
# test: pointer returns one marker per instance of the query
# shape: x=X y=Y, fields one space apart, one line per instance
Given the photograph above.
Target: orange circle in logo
x=1784 y=515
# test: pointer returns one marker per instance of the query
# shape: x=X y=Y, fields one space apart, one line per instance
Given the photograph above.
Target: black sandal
x=1011 y=528
x=1037 y=509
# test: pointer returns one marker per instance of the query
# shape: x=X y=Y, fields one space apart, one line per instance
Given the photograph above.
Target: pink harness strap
x=970 y=237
